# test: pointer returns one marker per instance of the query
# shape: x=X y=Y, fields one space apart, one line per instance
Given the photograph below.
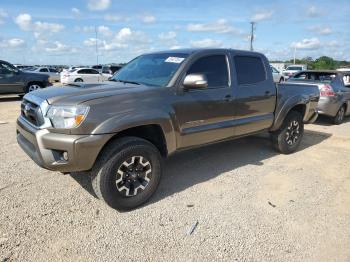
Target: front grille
x=32 y=113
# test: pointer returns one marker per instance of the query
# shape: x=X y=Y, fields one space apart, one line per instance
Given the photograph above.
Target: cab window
x=214 y=67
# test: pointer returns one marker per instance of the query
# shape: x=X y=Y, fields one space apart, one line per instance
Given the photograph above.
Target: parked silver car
x=277 y=75
x=53 y=74
x=334 y=89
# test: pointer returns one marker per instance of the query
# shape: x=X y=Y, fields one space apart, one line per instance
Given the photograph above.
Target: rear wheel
x=287 y=139
x=78 y=80
x=127 y=173
x=339 y=117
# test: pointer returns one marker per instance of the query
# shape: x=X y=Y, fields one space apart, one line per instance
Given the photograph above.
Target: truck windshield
x=151 y=69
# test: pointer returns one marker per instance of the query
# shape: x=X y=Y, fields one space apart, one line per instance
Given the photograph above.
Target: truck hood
x=79 y=93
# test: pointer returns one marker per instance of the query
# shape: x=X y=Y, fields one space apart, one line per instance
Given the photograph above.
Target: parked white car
x=293 y=69
x=54 y=75
x=87 y=75
x=277 y=75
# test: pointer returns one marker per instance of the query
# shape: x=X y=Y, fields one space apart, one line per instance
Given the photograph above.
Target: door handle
x=228 y=98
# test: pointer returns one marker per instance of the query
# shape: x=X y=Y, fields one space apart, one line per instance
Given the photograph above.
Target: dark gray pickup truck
x=159 y=103
x=15 y=81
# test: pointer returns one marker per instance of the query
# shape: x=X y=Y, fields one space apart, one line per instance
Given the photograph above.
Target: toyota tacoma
x=118 y=132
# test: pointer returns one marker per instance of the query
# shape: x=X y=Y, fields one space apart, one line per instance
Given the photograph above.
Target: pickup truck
x=160 y=103
x=15 y=81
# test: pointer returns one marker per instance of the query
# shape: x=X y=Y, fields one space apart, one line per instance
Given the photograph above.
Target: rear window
x=299 y=68
x=250 y=70
x=315 y=76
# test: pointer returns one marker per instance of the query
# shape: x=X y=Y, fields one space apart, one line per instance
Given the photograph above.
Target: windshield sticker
x=172 y=59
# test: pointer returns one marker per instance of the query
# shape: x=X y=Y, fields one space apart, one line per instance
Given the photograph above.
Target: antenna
x=252 y=35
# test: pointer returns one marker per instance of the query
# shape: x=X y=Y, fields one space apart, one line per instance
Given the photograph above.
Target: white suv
x=292 y=69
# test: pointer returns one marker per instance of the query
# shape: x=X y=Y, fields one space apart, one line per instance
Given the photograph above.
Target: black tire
x=78 y=80
x=288 y=138
x=339 y=117
x=104 y=173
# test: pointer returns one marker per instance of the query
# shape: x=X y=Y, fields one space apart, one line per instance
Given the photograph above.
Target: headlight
x=67 y=116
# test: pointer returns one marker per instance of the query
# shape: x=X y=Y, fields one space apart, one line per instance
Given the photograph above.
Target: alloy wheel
x=293 y=133
x=133 y=176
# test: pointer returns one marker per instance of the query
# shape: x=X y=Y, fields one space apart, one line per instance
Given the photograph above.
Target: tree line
x=323 y=62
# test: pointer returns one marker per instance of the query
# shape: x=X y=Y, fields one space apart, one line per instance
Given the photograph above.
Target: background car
x=277 y=76
x=292 y=69
x=53 y=74
x=334 y=89
x=87 y=75
x=15 y=81
x=111 y=69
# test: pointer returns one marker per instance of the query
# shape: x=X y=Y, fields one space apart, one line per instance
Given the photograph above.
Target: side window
x=43 y=70
x=6 y=69
x=250 y=70
x=92 y=71
x=53 y=70
x=214 y=68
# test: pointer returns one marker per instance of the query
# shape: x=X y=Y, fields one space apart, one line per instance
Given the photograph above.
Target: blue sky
x=53 y=32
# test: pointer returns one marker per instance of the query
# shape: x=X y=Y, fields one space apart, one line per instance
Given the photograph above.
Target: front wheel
x=127 y=173
x=288 y=138
x=339 y=118
x=32 y=87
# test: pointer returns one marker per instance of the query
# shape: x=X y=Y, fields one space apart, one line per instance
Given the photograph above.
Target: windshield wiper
x=126 y=81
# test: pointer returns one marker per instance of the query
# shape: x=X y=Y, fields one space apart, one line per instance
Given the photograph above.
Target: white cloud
x=3 y=15
x=148 y=19
x=58 y=47
x=76 y=12
x=24 y=21
x=220 y=26
x=205 y=43
x=12 y=43
x=313 y=11
x=98 y=5
x=104 y=30
x=332 y=43
x=174 y=47
x=121 y=40
x=261 y=16
x=116 y=18
x=167 y=36
x=312 y=43
x=322 y=30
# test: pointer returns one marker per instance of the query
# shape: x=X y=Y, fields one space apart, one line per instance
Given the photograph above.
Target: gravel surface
x=234 y=201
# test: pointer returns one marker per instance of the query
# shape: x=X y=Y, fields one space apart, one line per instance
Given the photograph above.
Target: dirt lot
x=251 y=204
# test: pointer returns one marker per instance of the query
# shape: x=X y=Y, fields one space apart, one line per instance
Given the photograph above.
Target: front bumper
x=46 y=149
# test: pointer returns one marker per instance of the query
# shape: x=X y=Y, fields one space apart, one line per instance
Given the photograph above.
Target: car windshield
x=151 y=69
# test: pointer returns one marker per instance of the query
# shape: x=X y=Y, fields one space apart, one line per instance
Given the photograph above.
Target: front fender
x=130 y=119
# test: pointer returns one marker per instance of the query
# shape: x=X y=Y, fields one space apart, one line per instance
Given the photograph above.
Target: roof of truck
x=196 y=50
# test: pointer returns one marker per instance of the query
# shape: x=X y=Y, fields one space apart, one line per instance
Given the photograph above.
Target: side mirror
x=193 y=81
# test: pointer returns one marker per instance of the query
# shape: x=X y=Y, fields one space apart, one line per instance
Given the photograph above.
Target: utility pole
x=96 y=42
x=252 y=35
x=295 y=50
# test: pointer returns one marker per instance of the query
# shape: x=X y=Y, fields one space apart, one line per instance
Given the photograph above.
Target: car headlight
x=67 y=116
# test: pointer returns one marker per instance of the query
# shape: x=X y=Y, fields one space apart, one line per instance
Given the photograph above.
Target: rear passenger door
x=254 y=94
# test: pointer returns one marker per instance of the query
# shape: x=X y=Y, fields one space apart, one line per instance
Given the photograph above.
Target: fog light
x=65 y=155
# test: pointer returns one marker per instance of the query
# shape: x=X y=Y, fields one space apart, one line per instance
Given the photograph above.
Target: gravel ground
x=251 y=204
